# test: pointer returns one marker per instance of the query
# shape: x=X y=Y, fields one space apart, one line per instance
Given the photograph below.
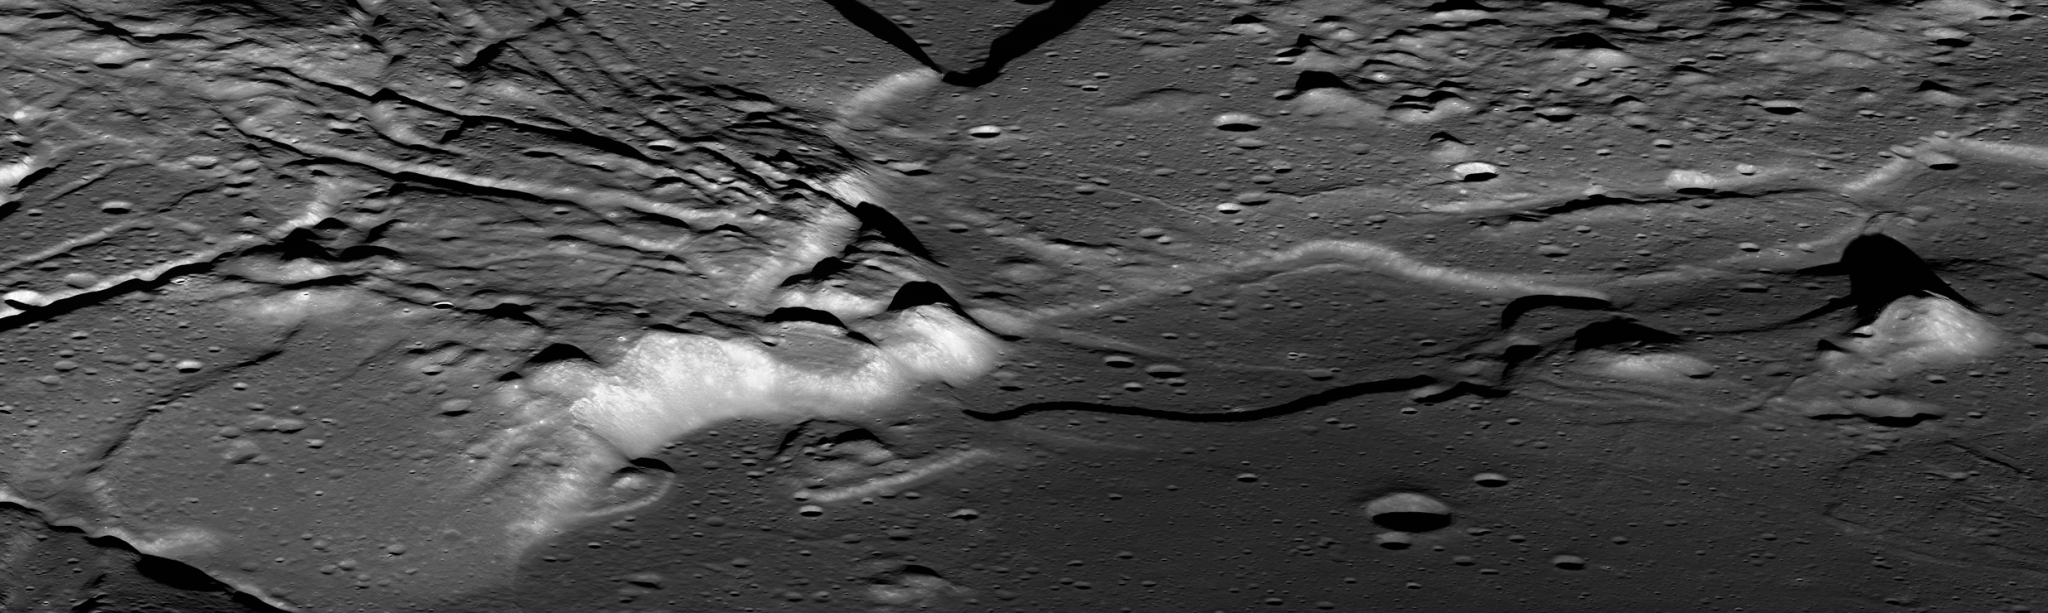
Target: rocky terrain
x=1055 y=305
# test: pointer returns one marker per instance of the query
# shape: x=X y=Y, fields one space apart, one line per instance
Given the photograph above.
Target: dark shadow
x=559 y=352
x=173 y=573
x=1825 y=344
x=183 y=577
x=36 y=314
x=1523 y=305
x=567 y=134
x=1881 y=270
x=1316 y=79
x=1619 y=332
x=1302 y=44
x=824 y=269
x=1424 y=102
x=789 y=314
x=919 y=569
x=1584 y=202
x=880 y=221
x=299 y=244
x=1412 y=522
x=1931 y=86
x=672 y=328
x=856 y=434
x=1582 y=40
x=1292 y=406
x=512 y=311
x=1898 y=422
x=649 y=465
x=333 y=281
x=1889 y=422
x=1041 y=27
x=650 y=217
x=922 y=293
x=882 y=28
x=307 y=244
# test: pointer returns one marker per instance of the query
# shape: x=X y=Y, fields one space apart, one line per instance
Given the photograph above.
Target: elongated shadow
x=1880 y=270
x=878 y=220
x=1523 y=305
x=867 y=19
x=1620 y=332
x=1297 y=405
x=1041 y=27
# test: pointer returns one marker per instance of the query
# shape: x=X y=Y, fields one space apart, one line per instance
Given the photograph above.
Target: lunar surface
x=1023 y=305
